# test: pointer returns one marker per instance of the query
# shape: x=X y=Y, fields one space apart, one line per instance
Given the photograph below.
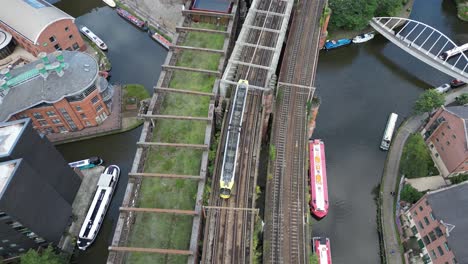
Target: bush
x=47 y=256
x=459 y=178
x=410 y=194
x=416 y=160
x=462 y=99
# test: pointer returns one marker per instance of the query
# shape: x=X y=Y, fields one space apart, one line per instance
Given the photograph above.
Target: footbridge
x=425 y=43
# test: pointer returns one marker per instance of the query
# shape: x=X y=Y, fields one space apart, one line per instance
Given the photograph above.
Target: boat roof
x=97 y=208
x=323 y=253
x=318 y=173
x=105 y=180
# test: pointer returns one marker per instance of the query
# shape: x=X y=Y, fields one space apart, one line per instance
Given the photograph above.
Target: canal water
x=135 y=58
x=359 y=87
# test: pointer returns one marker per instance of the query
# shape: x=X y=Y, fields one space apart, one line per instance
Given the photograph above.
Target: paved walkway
x=392 y=249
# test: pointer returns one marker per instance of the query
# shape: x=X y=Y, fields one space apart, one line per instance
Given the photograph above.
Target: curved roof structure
x=81 y=73
x=425 y=43
x=30 y=17
x=5 y=39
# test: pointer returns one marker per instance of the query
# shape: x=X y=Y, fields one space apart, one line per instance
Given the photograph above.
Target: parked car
x=456 y=83
x=443 y=88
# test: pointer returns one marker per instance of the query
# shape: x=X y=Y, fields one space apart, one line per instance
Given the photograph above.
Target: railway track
x=287 y=230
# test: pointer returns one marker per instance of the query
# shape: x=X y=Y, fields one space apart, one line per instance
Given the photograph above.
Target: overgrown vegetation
x=378 y=202
x=416 y=160
x=410 y=194
x=462 y=7
x=204 y=40
x=428 y=101
x=355 y=14
x=257 y=241
x=272 y=152
x=47 y=256
x=459 y=178
x=462 y=99
x=313 y=259
x=199 y=59
x=137 y=91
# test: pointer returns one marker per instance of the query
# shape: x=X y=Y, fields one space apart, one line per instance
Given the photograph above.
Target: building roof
x=30 y=17
x=5 y=39
x=10 y=133
x=30 y=88
x=461 y=112
x=216 y=6
x=7 y=170
x=450 y=206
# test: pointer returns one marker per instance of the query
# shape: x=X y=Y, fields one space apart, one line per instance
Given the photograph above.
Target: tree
x=388 y=7
x=462 y=99
x=415 y=160
x=428 y=101
x=48 y=256
x=410 y=194
x=351 y=14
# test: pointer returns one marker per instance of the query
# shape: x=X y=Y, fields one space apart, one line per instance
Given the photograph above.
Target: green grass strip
x=209 y=26
x=204 y=40
x=193 y=81
x=199 y=60
x=179 y=131
x=185 y=105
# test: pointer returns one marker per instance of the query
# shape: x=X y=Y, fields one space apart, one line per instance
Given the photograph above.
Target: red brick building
x=438 y=222
x=60 y=93
x=446 y=135
x=38 y=26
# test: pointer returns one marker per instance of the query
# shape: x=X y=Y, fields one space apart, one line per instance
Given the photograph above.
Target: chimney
x=43 y=57
x=6 y=72
x=57 y=67
x=42 y=70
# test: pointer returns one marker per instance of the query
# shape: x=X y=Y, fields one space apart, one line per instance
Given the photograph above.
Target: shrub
x=410 y=194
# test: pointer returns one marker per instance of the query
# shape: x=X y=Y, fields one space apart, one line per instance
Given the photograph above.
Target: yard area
x=199 y=60
x=204 y=40
x=185 y=105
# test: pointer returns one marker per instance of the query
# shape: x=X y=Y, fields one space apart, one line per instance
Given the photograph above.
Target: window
x=443 y=134
x=415 y=213
x=437 y=155
x=420 y=208
x=98 y=108
x=420 y=225
x=22 y=116
x=437 y=139
x=414 y=229
x=12 y=245
x=426 y=239
x=52 y=39
x=446 y=246
x=426 y=220
x=67 y=29
x=448 y=143
x=70 y=37
x=56 y=121
x=448 y=127
x=83 y=116
x=62 y=129
x=454 y=136
x=50 y=113
x=432 y=145
x=434 y=255
x=43 y=123
x=38 y=115
x=75 y=46
x=427 y=203
x=78 y=108
x=95 y=99
x=57 y=47
x=69 y=49
x=441 y=251
x=87 y=123
x=432 y=236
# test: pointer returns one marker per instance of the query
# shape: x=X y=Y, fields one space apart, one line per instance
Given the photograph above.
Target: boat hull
x=110 y=3
x=322 y=249
x=131 y=19
x=363 y=38
x=94 y=38
x=160 y=40
x=331 y=44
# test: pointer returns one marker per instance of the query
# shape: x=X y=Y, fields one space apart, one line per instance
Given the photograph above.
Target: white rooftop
x=105 y=180
x=8 y=136
x=6 y=170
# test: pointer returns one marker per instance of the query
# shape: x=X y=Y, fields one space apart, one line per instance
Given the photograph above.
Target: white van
x=443 y=88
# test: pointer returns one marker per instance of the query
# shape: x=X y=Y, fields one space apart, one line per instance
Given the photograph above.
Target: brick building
x=60 y=92
x=37 y=189
x=438 y=224
x=38 y=26
x=446 y=135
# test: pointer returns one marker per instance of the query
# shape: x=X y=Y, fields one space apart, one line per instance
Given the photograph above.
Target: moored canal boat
x=95 y=39
x=321 y=247
x=160 y=39
x=105 y=189
x=110 y=3
x=132 y=19
x=318 y=179
x=86 y=163
x=363 y=38
x=333 y=44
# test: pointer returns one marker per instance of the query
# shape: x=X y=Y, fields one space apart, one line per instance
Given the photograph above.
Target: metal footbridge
x=425 y=43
